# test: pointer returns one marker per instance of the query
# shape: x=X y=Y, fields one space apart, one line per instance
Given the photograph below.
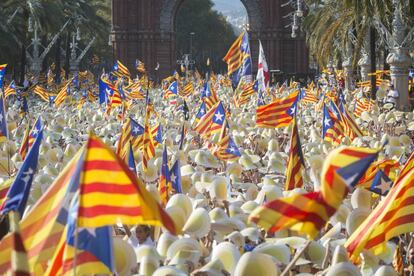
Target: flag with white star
x=18 y=193
x=175 y=177
x=332 y=130
x=381 y=184
x=2 y=73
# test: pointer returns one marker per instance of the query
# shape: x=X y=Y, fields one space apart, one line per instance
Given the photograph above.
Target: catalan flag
x=201 y=112
x=29 y=138
x=4 y=188
x=212 y=121
x=165 y=181
x=308 y=213
x=63 y=93
x=18 y=193
x=43 y=226
x=187 y=91
x=90 y=252
x=349 y=124
x=393 y=216
x=116 y=98
x=388 y=167
x=41 y=92
x=3 y=121
x=226 y=149
x=106 y=89
x=362 y=105
x=157 y=134
x=132 y=132
x=296 y=162
x=20 y=264
x=175 y=177
x=208 y=96
x=120 y=70
x=238 y=59
x=2 y=74
x=111 y=193
x=332 y=130
x=308 y=97
x=172 y=90
x=148 y=148
x=381 y=184
x=131 y=160
x=10 y=90
x=278 y=113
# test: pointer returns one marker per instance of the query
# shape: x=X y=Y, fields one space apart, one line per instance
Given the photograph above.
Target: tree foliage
x=213 y=34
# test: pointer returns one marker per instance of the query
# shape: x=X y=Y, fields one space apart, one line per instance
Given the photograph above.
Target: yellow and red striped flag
x=148 y=148
x=388 y=166
x=278 y=113
x=362 y=105
x=63 y=93
x=20 y=264
x=120 y=70
x=332 y=129
x=234 y=57
x=296 y=163
x=110 y=193
x=4 y=188
x=41 y=92
x=308 y=213
x=187 y=91
x=165 y=180
x=393 y=216
x=43 y=226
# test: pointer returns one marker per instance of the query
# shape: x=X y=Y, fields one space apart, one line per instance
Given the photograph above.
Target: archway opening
x=205 y=29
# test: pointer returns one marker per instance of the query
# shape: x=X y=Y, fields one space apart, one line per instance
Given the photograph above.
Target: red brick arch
x=145 y=29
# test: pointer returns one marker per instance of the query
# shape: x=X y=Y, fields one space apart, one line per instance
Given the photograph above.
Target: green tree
x=213 y=34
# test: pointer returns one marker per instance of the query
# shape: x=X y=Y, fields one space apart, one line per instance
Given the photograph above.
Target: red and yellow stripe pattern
x=296 y=163
x=111 y=193
x=276 y=114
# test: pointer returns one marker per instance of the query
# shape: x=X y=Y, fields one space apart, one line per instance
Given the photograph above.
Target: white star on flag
x=219 y=116
x=173 y=178
x=91 y=231
x=384 y=186
x=327 y=122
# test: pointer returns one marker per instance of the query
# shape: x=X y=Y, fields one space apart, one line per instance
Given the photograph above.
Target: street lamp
x=191 y=44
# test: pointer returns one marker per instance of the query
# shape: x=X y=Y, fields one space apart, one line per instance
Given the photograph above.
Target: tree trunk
x=67 y=57
x=373 y=63
x=386 y=65
x=57 y=61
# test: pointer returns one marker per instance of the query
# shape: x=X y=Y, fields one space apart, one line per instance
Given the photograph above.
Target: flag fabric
x=90 y=252
x=110 y=193
x=296 y=162
x=116 y=98
x=238 y=59
x=308 y=97
x=408 y=166
x=187 y=91
x=388 y=166
x=148 y=148
x=208 y=96
x=332 y=130
x=63 y=93
x=4 y=188
x=226 y=149
x=41 y=92
x=2 y=74
x=381 y=184
x=43 y=225
x=157 y=134
x=106 y=89
x=201 y=112
x=20 y=264
x=165 y=181
x=393 y=216
x=278 y=113
x=175 y=177
x=24 y=146
x=3 y=121
x=263 y=76
x=172 y=90
x=212 y=121
x=132 y=133
x=131 y=160
x=362 y=105
x=18 y=193
x=120 y=70
x=10 y=90
x=308 y=213
x=351 y=128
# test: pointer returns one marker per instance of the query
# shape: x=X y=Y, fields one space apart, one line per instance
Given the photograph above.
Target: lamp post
x=398 y=41
x=191 y=46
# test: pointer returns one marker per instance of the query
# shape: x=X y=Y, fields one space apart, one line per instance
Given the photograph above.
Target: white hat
x=228 y=254
x=253 y=263
x=198 y=224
